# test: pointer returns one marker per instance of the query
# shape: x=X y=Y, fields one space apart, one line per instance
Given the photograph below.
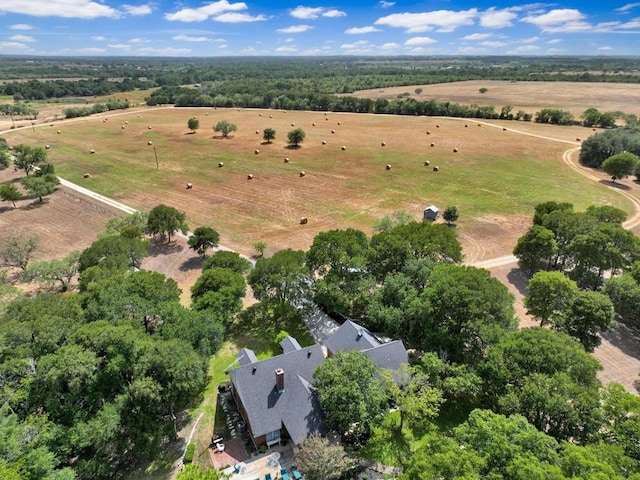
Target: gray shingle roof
x=289 y=344
x=246 y=357
x=351 y=336
x=296 y=407
x=388 y=355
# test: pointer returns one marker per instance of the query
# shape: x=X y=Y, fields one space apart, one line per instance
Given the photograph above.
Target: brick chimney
x=280 y=379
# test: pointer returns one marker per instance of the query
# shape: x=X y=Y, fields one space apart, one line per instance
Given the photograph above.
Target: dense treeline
x=300 y=75
x=96 y=108
x=91 y=382
x=597 y=148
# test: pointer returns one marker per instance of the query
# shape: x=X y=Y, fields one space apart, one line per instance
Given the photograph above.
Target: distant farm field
x=495 y=178
x=530 y=97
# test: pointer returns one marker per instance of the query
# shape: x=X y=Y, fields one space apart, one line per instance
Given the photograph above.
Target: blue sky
x=186 y=28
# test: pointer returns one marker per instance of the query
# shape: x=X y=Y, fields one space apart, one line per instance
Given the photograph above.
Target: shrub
x=189 y=452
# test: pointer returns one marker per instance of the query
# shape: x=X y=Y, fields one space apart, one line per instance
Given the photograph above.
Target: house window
x=273 y=438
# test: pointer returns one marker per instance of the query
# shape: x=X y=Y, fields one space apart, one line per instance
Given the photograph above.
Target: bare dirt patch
x=527 y=96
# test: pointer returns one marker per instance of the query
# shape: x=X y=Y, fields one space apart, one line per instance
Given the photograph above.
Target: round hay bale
x=149 y=127
x=122 y=127
x=313 y=124
x=189 y=185
x=339 y=123
x=126 y=122
x=436 y=168
x=256 y=151
x=433 y=144
x=259 y=114
x=333 y=131
x=504 y=129
x=479 y=125
x=293 y=124
x=220 y=164
x=594 y=129
x=137 y=116
x=325 y=114
x=86 y=175
x=270 y=116
x=257 y=132
x=327 y=118
x=287 y=160
x=437 y=126
x=428 y=132
x=455 y=150
x=47 y=147
x=284 y=111
x=466 y=126
x=249 y=177
x=578 y=139
x=92 y=151
x=303 y=220
x=343 y=148
x=59 y=132
x=206 y=114
x=427 y=163
x=302 y=174
x=388 y=167
x=324 y=142
x=104 y=120
x=383 y=144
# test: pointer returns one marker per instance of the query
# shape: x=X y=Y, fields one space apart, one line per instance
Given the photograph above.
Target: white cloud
x=556 y=51
x=529 y=40
x=419 y=41
x=444 y=20
x=86 y=9
x=627 y=7
x=119 y=46
x=90 y=51
x=635 y=23
x=163 y=52
x=12 y=47
x=20 y=26
x=361 y=30
x=286 y=49
x=494 y=18
x=606 y=49
x=187 y=38
x=22 y=38
x=472 y=51
x=389 y=46
x=333 y=13
x=239 y=18
x=139 y=40
x=295 y=29
x=385 y=4
x=138 y=10
x=311 y=13
x=205 y=12
x=477 y=36
x=554 y=41
x=288 y=40
x=98 y=38
x=556 y=17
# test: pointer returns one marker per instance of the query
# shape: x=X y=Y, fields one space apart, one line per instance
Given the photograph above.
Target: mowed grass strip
x=493 y=171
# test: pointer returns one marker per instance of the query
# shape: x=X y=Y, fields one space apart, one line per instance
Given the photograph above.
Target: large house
x=275 y=396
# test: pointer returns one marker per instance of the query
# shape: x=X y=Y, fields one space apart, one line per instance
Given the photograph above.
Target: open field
x=496 y=177
x=527 y=96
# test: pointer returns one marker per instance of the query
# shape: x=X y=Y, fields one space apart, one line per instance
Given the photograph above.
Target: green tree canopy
x=9 y=193
x=296 y=137
x=350 y=392
x=227 y=259
x=203 y=239
x=321 y=460
x=224 y=127
x=26 y=157
x=220 y=290
x=17 y=251
x=40 y=186
x=269 y=135
x=165 y=221
x=549 y=296
x=193 y=124
x=620 y=165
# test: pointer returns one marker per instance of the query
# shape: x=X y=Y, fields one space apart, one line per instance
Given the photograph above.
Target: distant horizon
x=259 y=28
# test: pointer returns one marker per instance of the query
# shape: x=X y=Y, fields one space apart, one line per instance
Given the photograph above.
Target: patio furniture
x=285 y=476
x=220 y=447
x=267 y=476
x=296 y=474
x=283 y=471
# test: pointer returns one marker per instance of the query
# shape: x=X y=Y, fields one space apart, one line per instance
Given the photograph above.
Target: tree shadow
x=36 y=203
x=625 y=338
x=222 y=137
x=266 y=143
x=518 y=279
x=160 y=247
x=190 y=133
x=7 y=208
x=293 y=147
x=192 y=263
x=612 y=184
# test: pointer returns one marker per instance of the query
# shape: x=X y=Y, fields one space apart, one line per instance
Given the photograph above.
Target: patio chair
x=283 y=471
x=267 y=476
x=296 y=474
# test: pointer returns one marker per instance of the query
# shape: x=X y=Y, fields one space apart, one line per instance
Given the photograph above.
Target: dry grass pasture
x=530 y=97
x=495 y=178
